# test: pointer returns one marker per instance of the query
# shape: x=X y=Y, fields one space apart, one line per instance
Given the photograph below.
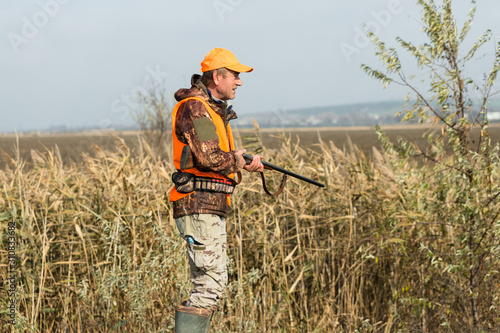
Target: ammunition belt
x=187 y=183
x=203 y=184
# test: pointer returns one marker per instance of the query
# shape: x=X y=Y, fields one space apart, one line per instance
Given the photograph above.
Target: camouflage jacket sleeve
x=195 y=128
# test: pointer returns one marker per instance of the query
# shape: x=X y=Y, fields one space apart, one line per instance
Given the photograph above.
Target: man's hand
x=241 y=159
x=255 y=166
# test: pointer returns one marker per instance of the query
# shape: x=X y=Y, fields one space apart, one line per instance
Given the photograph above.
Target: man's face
x=226 y=84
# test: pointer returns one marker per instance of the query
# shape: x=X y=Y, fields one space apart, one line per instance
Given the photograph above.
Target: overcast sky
x=80 y=63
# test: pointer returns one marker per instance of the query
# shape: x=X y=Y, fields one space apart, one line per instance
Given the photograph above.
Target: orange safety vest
x=226 y=143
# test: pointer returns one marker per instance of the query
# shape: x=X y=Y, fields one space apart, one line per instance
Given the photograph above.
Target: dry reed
x=97 y=249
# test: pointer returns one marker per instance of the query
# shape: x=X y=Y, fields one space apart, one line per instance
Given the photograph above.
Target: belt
x=203 y=184
x=188 y=182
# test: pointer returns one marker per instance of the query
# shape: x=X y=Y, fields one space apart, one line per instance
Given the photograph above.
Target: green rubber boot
x=192 y=320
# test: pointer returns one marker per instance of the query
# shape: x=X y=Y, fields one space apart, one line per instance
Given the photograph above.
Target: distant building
x=313 y=121
x=493 y=115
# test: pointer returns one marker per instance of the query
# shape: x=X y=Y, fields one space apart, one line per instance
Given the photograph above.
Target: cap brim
x=240 y=68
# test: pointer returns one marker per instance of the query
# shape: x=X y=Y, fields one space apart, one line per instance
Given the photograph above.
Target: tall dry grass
x=97 y=248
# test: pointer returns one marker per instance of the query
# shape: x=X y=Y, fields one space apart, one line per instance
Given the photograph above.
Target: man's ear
x=216 y=77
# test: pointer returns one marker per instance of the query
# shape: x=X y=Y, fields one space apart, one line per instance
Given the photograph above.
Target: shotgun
x=268 y=165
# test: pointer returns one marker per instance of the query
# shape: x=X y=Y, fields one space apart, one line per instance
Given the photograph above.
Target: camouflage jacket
x=204 y=145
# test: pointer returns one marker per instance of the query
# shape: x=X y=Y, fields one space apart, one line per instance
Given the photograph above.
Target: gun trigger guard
x=280 y=189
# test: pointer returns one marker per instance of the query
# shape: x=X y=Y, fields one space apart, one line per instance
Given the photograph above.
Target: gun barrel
x=249 y=158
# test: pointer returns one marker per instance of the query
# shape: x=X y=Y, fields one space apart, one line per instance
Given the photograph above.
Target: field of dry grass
x=97 y=249
x=72 y=145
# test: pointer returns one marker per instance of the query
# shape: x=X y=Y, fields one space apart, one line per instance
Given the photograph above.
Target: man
x=206 y=161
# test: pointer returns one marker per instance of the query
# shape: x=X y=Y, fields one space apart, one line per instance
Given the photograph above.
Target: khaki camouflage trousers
x=207 y=257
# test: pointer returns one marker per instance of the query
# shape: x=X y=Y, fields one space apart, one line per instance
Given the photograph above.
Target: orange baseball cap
x=218 y=58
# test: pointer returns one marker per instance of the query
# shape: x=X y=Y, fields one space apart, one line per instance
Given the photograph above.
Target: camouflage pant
x=207 y=257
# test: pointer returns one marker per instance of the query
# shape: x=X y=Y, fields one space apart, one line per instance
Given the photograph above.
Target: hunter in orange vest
x=206 y=161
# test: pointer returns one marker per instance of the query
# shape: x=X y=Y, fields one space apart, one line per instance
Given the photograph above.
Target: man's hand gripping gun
x=248 y=158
